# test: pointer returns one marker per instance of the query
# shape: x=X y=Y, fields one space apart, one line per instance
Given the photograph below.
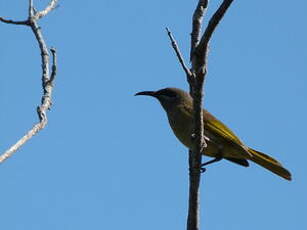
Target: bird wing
x=220 y=130
x=218 y=127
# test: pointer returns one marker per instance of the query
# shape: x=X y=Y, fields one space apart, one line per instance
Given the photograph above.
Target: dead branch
x=179 y=55
x=8 y=21
x=52 y=5
x=199 y=55
x=197 y=21
x=201 y=50
x=47 y=77
x=196 y=76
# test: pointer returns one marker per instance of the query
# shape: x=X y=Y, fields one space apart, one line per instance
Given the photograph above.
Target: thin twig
x=178 y=53
x=197 y=23
x=47 y=78
x=52 y=5
x=8 y=21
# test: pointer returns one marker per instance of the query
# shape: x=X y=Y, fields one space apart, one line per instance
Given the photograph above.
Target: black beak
x=146 y=93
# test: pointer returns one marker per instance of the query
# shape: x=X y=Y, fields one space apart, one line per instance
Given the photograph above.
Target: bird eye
x=168 y=93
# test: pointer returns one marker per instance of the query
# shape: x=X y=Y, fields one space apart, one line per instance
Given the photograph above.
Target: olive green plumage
x=221 y=141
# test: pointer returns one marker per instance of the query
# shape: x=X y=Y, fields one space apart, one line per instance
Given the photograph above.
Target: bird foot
x=211 y=161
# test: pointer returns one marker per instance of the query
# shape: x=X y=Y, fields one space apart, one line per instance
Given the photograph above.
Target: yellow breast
x=181 y=122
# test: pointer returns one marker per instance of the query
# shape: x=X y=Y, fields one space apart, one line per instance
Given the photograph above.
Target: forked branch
x=196 y=76
x=47 y=77
x=201 y=51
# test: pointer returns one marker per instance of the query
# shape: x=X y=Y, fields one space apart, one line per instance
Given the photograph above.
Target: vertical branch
x=197 y=21
x=31 y=9
x=195 y=154
x=47 y=78
x=195 y=77
x=193 y=221
x=199 y=54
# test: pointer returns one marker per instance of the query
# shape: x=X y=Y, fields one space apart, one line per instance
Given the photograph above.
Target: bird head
x=169 y=98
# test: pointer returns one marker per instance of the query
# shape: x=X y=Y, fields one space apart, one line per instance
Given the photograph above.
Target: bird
x=221 y=141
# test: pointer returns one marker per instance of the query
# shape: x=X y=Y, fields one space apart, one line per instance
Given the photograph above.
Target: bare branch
x=8 y=153
x=31 y=9
x=51 y=6
x=195 y=154
x=8 y=21
x=202 y=48
x=178 y=53
x=44 y=51
x=199 y=53
x=193 y=222
x=54 y=65
x=197 y=23
x=47 y=78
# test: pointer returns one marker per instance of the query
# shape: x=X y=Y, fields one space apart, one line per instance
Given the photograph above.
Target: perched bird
x=222 y=143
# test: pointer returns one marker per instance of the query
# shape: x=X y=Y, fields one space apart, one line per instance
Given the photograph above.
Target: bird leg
x=212 y=161
x=219 y=156
x=203 y=169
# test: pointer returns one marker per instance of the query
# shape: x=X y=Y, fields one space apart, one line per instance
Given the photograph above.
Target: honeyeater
x=222 y=143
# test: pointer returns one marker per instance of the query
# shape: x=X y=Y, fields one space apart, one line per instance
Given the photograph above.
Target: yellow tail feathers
x=269 y=163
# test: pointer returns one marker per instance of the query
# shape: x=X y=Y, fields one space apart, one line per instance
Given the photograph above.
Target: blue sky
x=108 y=160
